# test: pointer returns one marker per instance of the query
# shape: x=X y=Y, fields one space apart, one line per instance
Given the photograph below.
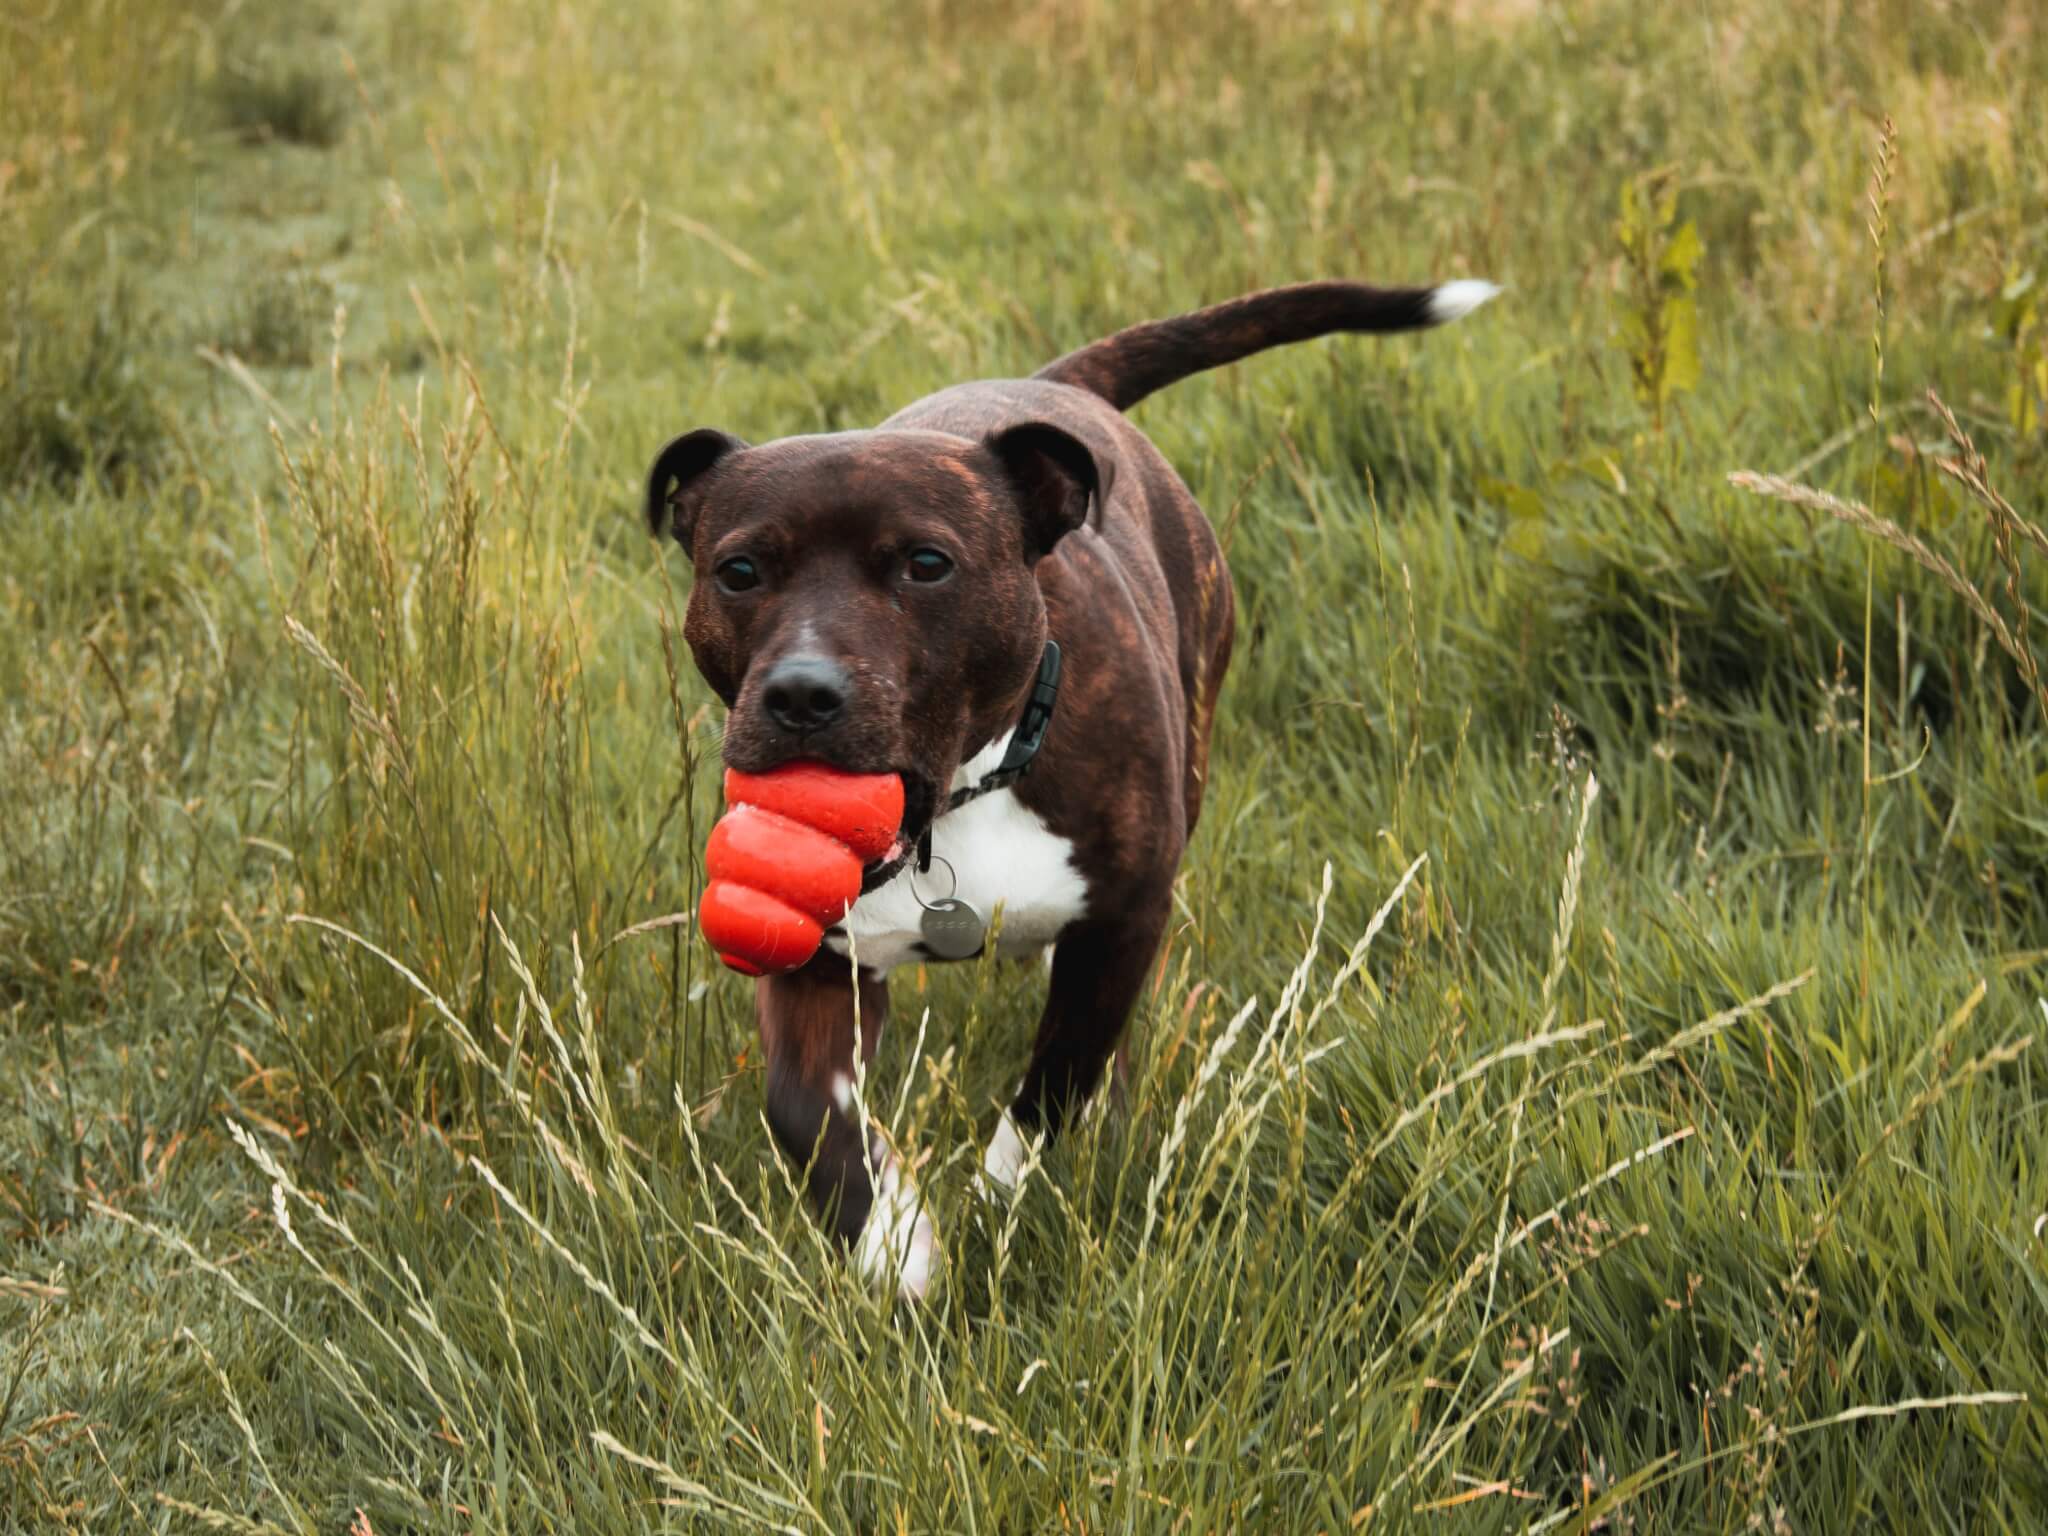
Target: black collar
x=1024 y=744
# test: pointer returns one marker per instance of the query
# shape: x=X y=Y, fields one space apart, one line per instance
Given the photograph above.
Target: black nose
x=805 y=692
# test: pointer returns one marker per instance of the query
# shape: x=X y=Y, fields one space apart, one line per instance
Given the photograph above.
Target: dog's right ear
x=1056 y=474
x=669 y=508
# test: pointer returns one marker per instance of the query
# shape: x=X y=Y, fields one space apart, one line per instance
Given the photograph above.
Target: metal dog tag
x=952 y=929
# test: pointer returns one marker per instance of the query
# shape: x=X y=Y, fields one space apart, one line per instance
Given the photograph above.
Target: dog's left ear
x=682 y=461
x=1056 y=475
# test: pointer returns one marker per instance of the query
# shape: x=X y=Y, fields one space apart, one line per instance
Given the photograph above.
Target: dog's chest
x=1000 y=854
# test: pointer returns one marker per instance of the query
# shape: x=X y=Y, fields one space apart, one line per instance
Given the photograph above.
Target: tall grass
x=387 y=1155
x=750 y=1350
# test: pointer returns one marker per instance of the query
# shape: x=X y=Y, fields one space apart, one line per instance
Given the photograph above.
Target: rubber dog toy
x=784 y=861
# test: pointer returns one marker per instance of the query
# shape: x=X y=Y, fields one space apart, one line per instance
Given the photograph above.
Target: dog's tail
x=1123 y=369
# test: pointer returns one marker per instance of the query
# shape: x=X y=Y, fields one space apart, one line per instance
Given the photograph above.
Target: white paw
x=897 y=1244
x=1003 y=1160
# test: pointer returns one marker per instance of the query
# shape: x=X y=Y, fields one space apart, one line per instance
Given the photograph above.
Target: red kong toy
x=784 y=861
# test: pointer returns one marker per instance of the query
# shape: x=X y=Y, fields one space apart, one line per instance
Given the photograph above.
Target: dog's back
x=1168 y=582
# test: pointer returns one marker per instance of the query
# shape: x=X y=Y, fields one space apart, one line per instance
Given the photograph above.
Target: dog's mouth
x=748 y=752
x=920 y=805
x=920 y=797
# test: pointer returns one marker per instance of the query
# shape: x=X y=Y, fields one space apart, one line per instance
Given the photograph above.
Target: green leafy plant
x=1659 y=324
x=2025 y=330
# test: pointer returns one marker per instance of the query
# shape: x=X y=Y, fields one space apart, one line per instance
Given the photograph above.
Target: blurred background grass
x=335 y=342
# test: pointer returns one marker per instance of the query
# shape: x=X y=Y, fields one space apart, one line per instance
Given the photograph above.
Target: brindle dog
x=882 y=601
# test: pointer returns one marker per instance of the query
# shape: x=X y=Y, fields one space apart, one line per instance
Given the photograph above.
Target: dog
x=1004 y=576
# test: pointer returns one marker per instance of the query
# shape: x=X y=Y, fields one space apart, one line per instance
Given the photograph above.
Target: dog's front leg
x=807 y=1033
x=1098 y=970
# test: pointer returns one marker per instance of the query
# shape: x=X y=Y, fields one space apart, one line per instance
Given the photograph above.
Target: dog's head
x=868 y=599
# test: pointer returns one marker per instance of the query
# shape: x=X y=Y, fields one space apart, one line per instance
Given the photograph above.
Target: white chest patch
x=1001 y=855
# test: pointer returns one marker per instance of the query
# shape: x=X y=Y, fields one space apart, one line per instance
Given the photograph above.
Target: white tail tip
x=1452 y=301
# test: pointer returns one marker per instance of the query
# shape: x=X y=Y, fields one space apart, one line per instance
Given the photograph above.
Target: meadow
x=1595 y=1079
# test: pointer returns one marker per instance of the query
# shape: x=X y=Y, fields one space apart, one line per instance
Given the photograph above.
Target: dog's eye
x=739 y=574
x=928 y=565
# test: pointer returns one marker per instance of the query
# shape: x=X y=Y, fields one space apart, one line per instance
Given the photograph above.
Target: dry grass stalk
x=1857 y=515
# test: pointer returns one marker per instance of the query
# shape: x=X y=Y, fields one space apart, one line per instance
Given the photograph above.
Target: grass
x=78 y=405
x=278 y=75
x=294 y=104
x=276 y=322
x=1500 y=1153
